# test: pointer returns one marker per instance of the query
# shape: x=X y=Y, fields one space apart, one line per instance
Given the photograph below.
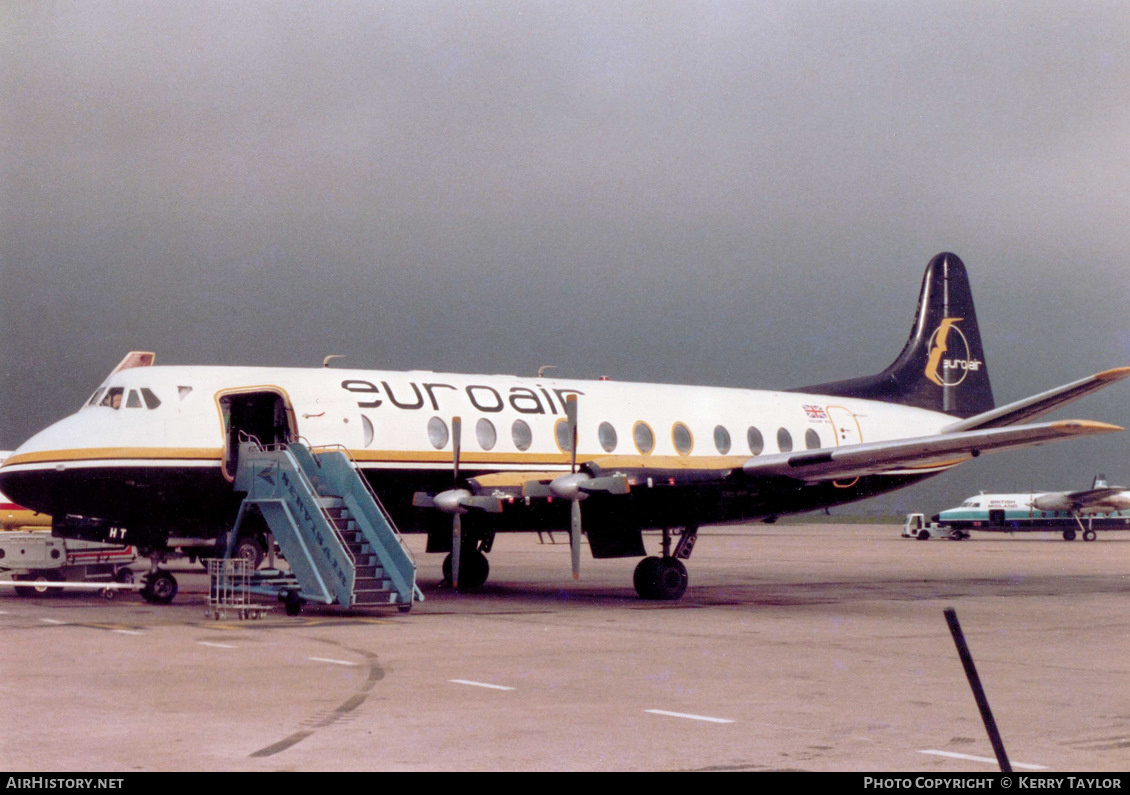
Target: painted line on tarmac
x=128 y=632
x=333 y=661
x=706 y=718
x=55 y=621
x=212 y=645
x=480 y=684
x=985 y=759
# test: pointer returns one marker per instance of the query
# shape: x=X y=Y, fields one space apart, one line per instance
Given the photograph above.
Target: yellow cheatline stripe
x=711 y=462
x=117 y=453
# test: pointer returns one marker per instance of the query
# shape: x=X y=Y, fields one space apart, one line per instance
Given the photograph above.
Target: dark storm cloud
x=732 y=193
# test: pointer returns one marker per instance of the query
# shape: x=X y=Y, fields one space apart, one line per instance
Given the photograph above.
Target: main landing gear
x=473 y=567
x=1088 y=532
x=160 y=587
x=665 y=578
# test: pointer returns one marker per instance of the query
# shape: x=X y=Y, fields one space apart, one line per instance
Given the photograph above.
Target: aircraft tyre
x=644 y=577
x=160 y=588
x=1090 y=535
x=474 y=569
x=249 y=550
x=292 y=602
x=663 y=579
x=1068 y=535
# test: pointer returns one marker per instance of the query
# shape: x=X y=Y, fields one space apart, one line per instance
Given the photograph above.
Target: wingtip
x=1114 y=374
x=1086 y=427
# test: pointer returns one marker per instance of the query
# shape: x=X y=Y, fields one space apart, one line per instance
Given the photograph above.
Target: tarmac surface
x=796 y=647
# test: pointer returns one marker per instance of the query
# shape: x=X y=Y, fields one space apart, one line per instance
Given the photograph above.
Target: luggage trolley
x=229 y=588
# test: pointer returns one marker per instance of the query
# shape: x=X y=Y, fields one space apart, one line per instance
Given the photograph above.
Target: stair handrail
x=321 y=505
x=284 y=447
x=368 y=487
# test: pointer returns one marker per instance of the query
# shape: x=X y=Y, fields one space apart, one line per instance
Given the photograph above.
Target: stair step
x=374 y=553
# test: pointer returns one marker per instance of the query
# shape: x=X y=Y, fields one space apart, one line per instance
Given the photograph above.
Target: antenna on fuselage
x=326 y=361
x=544 y=367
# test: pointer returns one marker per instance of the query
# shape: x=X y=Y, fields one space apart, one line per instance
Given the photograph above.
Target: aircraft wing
x=1038 y=405
x=1108 y=498
x=914 y=456
x=618 y=473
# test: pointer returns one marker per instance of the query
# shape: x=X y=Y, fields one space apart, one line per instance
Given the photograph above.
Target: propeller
x=456 y=501
x=575 y=486
x=452 y=501
x=575 y=500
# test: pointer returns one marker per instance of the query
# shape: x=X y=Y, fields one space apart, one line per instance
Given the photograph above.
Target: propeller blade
x=571 y=415
x=456 y=521
x=456 y=444
x=456 y=547
x=575 y=537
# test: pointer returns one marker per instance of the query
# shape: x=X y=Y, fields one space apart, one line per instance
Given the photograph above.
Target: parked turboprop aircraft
x=1104 y=508
x=153 y=454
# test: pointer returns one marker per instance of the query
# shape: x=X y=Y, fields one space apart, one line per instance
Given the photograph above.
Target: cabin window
x=367 y=430
x=521 y=434
x=437 y=433
x=607 y=436
x=755 y=440
x=643 y=437
x=811 y=439
x=485 y=433
x=682 y=439
x=721 y=439
x=151 y=400
x=784 y=441
x=562 y=436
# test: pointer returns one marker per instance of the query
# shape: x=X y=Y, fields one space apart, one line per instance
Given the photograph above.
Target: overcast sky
x=733 y=193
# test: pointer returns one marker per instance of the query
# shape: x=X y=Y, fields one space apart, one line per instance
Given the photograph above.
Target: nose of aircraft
x=28 y=473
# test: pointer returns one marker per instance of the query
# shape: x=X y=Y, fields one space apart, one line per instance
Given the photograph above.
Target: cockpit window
x=113 y=398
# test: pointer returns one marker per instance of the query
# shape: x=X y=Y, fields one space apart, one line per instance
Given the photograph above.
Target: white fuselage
x=397 y=420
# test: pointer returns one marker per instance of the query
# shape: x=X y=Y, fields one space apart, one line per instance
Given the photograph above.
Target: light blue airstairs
x=341 y=545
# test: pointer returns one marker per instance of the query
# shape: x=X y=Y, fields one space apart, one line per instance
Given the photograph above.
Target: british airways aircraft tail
x=942 y=367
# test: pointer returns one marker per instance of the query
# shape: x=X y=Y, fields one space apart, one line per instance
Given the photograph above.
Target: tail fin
x=942 y=367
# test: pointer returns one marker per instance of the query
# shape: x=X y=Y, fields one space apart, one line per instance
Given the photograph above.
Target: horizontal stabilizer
x=1038 y=405
x=915 y=456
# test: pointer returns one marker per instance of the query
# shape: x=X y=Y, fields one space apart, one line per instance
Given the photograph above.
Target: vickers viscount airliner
x=152 y=456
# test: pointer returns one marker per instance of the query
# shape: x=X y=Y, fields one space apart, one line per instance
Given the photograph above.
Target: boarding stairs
x=341 y=545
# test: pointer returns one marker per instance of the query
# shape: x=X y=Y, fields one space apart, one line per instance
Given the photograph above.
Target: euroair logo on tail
x=950 y=371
